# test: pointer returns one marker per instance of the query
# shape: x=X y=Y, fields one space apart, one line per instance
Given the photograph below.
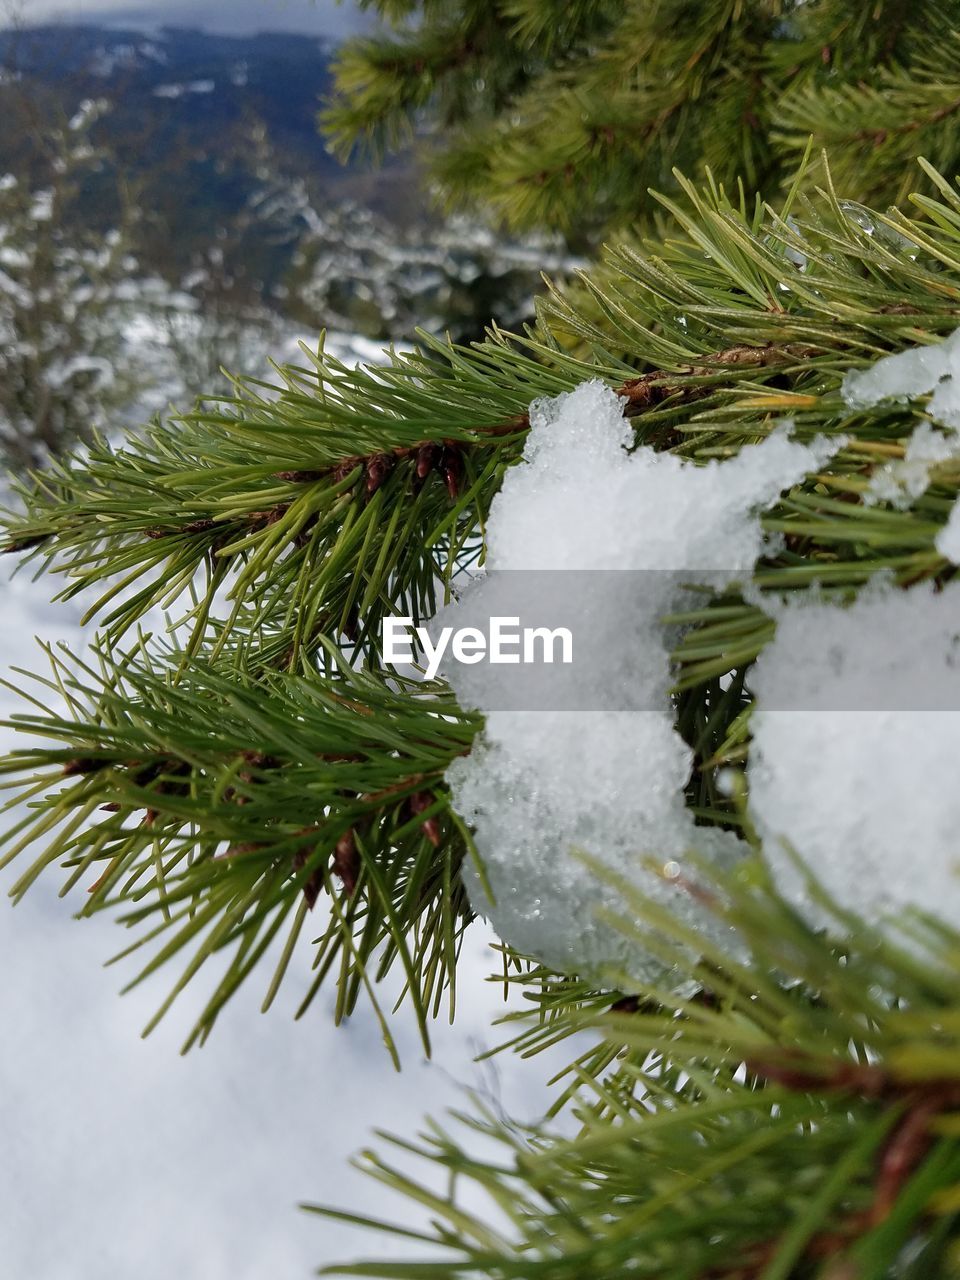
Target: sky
x=231 y=17
x=122 y=1158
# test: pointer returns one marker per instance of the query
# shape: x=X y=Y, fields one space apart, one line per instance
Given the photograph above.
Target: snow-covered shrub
x=63 y=295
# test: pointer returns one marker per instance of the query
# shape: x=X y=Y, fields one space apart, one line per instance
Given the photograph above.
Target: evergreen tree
x=567 y=114
x=778 y=1097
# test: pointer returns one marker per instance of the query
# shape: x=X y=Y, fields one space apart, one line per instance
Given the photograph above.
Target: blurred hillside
x=209 y=154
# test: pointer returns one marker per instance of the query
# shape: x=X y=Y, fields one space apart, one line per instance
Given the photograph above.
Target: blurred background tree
x=565 y=113
x=64 y=292
x=248 y=233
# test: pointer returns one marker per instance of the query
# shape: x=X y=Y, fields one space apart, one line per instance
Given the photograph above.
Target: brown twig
x=431 y=828
x=346 y=861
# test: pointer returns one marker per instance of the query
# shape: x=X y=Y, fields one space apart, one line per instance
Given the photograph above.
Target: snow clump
x=915 y=372
x=948 y=539
x=856 y=719
x=544 y=787
x=856 y=737
x=910 y=373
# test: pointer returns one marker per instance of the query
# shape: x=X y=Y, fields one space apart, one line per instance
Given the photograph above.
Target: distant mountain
x=209 y=81
x=195 y=120
x=334 y=19
x=212 y=140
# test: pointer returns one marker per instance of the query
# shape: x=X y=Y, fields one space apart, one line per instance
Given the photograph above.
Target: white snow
x=106 y=61
x=911 y=373
x=89 y=111
x=21 y=296
x=543 y=786
x=42 y=207
x=856 y=724
x=948 y=539
x=154 y=52
x=901 y=481
x=178 y=90
x=10 y=257
x=856 y=737
x=907 y=374
x=60 y=372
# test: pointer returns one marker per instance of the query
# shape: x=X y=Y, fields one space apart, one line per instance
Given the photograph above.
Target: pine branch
x=566 y=120
x=890 y=116
x=288 y=523
x=838 y=1141
x=230 y=811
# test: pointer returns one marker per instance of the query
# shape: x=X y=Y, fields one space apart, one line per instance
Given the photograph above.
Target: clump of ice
x=856 y=737
x=543 y=787
x=88 y=113
x=948 y=539
x=856 y=725
x=903 y=480
x=911 y=373
x=42 y=207
x=903 y=376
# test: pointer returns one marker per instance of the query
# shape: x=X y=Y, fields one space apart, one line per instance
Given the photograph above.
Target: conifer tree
x=568 y=114
x=776 y=1094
